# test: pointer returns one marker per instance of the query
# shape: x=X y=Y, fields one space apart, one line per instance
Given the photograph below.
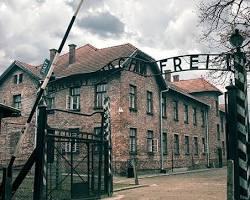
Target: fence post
x=231 y=136
x=40 y=176
x=230 y=180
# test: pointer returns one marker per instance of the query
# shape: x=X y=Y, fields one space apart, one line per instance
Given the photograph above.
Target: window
x=51 y=101
x=176 y=144
x=186 y=143
x=150 y=142
x=203 y=146
x=72 y=145
x=194 y=117
x=218 y=132
x=202 y=118
x=137 y=66
x=185 y=113
x=222 y=123
x=101 y=93
x=18 y=78
x=132 y=97
x=73 y=100
x=217 y=107
x=164 y=106
x=165 y=143
x=149 y=102
x=175 y=110
x=195 y=146
x=17 y=101
x=223 y=148
x=132 y=141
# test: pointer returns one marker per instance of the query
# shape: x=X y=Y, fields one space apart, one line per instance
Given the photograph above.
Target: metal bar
x=88 y=162
x=100 y=157
x=92 y=168
x=40 y=179
x=76 y=113
x=71 y=167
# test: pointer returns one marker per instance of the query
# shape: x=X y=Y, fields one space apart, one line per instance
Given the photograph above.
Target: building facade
x=159 y=123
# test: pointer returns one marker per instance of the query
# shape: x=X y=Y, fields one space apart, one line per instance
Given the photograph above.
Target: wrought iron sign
x=219 y=62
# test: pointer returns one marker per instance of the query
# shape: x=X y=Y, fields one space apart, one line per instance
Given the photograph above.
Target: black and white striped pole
x=107 y=135
x=46 y=80
x=241 y=162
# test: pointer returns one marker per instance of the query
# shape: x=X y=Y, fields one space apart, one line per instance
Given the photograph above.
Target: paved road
x=208 y=185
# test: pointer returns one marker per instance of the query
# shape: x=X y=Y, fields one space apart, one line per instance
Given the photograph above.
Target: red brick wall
x=118 y=91
x=213 y=120
x=11 y=127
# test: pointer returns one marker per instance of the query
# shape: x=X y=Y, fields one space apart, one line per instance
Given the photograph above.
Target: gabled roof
x=179 y=90
x=90 y=59
x=30 y=69
x=197 y=85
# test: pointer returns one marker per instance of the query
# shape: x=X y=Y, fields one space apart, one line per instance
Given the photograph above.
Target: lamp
x=236 y=39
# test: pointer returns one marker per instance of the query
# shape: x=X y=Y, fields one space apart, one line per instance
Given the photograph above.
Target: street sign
x=45 y=67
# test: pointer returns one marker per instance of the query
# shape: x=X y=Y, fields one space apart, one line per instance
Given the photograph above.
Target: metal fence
x=75 y=165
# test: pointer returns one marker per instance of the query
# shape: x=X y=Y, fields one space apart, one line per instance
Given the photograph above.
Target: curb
x=174 y=173
x=130 y=187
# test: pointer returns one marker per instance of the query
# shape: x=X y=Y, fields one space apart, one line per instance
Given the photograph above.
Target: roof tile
x=196 y=85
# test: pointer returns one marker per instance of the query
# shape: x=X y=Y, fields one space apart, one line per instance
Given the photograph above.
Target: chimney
x=176 y=78
x=167 y=75
x=72 y=53
x=52 y=53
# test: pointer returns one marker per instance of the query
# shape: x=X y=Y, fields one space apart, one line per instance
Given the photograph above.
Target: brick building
x=146 y=111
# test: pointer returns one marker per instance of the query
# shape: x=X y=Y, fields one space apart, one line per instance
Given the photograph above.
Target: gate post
x=231 y=141
x=40 y=179
x=107 y=135
x=242 y=118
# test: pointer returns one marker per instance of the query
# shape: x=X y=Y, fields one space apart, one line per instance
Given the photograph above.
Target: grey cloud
x=103 y=24
x=86 y=4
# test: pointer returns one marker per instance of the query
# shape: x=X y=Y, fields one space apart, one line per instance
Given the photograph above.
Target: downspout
x=161 y=135
x=207 y=139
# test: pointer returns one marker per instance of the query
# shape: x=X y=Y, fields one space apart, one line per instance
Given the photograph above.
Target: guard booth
x=7 y=111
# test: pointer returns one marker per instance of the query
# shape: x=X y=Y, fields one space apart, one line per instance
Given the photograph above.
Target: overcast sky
x=162 y=28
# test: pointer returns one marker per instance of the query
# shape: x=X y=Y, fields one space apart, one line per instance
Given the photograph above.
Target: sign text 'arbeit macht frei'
x=220 y=62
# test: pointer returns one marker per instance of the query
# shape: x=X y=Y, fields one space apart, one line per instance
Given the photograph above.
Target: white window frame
x=150 y=143
x=187 y=153
x=73 y=101
x=18 y=79
x=67 y=146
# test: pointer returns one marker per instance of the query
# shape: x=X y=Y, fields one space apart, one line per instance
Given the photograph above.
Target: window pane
x=17 y=101
x=132 y=141
x=150 y=141
x=100 y=95
x=186 y=113
x=194 y=116
x=186 y=145
x=195 y=145
x=175 y=110
x=164 y=141
x=149 y=102
x=132 y=96
x=176 y=144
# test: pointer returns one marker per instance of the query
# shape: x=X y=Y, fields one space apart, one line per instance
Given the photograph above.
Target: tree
x=219 y=18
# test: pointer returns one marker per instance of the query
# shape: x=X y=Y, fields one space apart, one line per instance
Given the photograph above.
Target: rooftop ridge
x=119 y=45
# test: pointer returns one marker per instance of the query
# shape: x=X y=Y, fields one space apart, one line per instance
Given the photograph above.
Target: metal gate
x=75 y=165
